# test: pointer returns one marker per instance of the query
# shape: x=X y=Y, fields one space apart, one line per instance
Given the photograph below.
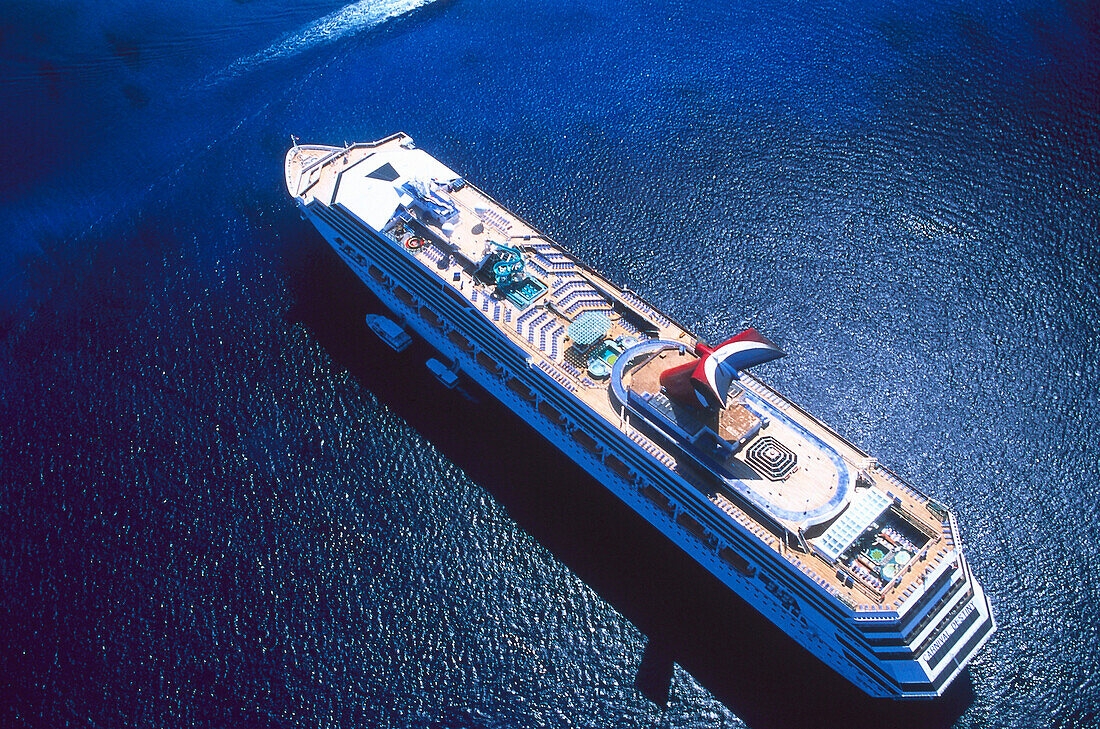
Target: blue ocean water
x=224 y=504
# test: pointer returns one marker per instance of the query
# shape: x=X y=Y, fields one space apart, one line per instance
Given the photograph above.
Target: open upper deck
x=849 y=524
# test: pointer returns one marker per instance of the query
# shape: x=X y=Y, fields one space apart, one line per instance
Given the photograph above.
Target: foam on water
x=354 y=18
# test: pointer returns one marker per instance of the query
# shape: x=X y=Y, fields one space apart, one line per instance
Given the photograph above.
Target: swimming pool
x=603 y=358
x=526 y=292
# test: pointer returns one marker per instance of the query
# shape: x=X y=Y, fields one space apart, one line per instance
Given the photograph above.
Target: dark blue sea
x=224 y=504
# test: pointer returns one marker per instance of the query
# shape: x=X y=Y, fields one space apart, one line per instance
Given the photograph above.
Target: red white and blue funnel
x=707 y=380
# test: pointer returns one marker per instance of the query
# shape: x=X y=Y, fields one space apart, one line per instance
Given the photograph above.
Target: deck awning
x=866 y=507
x=589 y=328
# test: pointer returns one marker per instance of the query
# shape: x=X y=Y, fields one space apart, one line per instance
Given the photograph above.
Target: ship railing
x=765 y=392
x=896 y=480
x=557 y=375
x=728 y=506
x=656 y=316
x=953 y=530
x=652 y=448
x=336 y=154
x=811 y=573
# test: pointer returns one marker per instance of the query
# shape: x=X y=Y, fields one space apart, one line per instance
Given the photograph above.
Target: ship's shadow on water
x=748 y=664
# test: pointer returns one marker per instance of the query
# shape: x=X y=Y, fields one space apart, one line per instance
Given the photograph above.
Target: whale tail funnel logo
x=706 y=381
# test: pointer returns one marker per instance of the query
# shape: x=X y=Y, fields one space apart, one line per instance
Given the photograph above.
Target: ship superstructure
x=860 y=568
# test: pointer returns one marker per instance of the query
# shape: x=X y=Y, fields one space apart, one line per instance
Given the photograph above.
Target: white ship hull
x=913 y=649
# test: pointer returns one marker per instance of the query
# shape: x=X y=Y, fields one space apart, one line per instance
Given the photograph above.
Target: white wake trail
x=350 y=19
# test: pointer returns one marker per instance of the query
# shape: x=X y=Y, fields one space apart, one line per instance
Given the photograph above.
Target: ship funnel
x=707 y=381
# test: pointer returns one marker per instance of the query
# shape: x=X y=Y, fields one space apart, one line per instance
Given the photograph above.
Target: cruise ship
x=860 y=568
